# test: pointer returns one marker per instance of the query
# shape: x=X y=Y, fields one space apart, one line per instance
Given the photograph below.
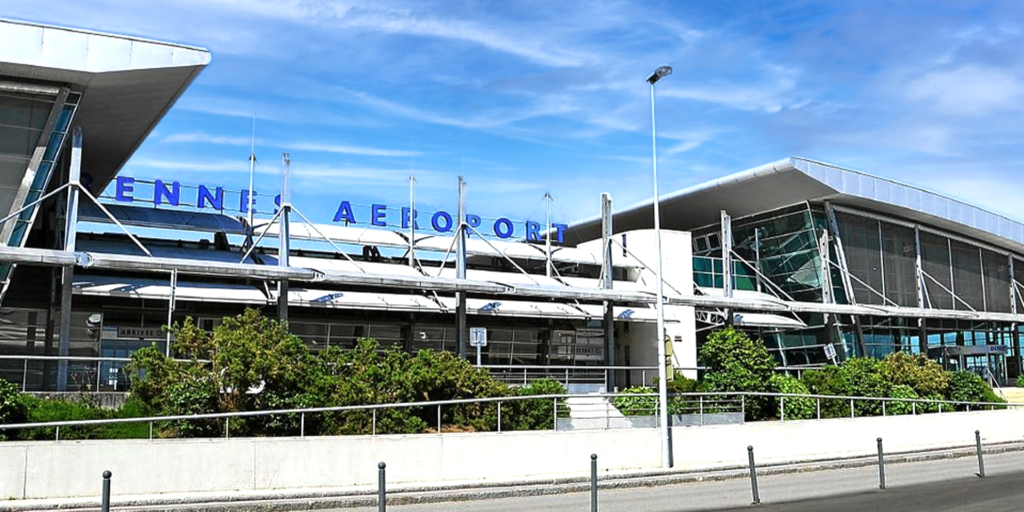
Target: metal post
x=227 y=426
x=607 y=281
x=555 y=419
x=913 y=408
x=753 y=475
x=374 y=422
x=881 y=466
x=883 y=407
x=593 y=482
x=819 y=408
x=24 y=377
x=547 y=239
x=171 y=305
x=284 y=242
x=782 y=407
x=67 y=273
x=382 y=497
x=57 y=433
x=499 y=416
x=302 y=425
x=438 y=418
x=852 y=415
x=743 y=405
x=105 y=497
x=981 y=457
x=412 y=221
x=701 y=409
x=460 y=271
x=478 y=356
x=659 y=334
x=151 y=430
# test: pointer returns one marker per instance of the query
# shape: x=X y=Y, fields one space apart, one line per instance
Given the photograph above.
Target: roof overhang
x=129 y=84
x=797 y=180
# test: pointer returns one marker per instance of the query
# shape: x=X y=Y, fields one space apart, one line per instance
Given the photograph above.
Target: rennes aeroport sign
x=168 y=194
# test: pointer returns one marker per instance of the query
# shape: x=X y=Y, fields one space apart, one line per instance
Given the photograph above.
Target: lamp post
x=666 y=447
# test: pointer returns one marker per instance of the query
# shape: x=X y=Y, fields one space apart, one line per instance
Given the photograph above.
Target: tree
x=734 y=362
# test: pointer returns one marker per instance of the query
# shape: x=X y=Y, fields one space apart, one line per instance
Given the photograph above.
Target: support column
x=726 y=237
x=608 y=274
x=460 y=272
x=68 y=273
x=171 y=304
x=284 y=239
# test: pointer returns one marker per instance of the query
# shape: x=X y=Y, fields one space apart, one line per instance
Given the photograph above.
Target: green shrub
x=796 y=408
x=534 y=414
x=969 y=387
x=735 y=362
x=924 y=376
x=901 y=391
x=12 y=407
x=637 y=405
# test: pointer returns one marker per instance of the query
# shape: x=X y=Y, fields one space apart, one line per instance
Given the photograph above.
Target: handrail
x=9 y=357
x=441 y=403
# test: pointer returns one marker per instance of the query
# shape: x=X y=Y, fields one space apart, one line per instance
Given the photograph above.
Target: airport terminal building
x=810 y=257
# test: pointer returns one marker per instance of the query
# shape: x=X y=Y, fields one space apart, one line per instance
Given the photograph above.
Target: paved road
x=939 y=485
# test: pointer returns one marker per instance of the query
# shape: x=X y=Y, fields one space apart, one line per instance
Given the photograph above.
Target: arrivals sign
x=169 y=194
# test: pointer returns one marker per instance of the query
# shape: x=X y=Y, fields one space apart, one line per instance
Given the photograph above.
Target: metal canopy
x=128 y=83
x=162 y=219
x=796 y=180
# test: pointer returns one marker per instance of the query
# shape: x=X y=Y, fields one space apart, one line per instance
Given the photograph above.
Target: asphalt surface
x=936 y=485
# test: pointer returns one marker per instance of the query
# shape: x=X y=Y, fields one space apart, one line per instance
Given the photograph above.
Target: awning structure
x=158 y=218
x=767 y=320
x=797 y=180
x=154 y=289
x=475 y=247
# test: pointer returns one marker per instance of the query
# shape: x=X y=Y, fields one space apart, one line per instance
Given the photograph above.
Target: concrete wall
x=46 y=469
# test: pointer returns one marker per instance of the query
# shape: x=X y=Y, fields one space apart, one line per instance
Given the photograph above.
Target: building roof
x=128 y=83
x=796 y=180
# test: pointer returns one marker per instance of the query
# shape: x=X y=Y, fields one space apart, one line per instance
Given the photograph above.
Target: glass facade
x=881 y=256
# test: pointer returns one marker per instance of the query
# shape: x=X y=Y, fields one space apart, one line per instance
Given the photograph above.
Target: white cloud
x=968 y=90
x=304 y=146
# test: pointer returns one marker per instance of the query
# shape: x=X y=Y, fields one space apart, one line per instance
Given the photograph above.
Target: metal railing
x=517 y=374
x=705 y=403
x=84 y=373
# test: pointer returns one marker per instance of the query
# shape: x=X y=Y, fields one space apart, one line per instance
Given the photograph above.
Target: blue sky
x=527 y=97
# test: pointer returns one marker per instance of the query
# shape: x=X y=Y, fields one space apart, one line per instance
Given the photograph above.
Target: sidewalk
x=330 y=498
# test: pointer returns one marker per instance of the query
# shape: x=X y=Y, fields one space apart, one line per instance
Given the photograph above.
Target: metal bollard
x=593 y=482
x=105 y=497
x=382 y=498
x=753 y=476
x=981 y=457
x=782 y=407
x=881 y=466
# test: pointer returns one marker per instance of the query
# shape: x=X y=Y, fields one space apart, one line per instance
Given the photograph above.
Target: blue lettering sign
x=377 y=215
x=277 y=202
x=344 y=213
x=560 y=231
x=447 y=222
x=405 y=218
x=123 y=190
x=160 y=191
x=532 y=229
x=215 y=200
x=243 y=201
x=473 y=220
x=503 y=232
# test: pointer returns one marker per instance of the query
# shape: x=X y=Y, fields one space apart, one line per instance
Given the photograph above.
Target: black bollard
x=981 y=458
x=881 y=466
x=105 y=497
x=593 y=482
x=753 y=475
x=382 y=498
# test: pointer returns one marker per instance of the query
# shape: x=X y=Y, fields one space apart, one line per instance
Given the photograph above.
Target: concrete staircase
x=592 y=411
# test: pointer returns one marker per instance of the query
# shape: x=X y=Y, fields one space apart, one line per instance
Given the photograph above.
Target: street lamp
x=666 y=445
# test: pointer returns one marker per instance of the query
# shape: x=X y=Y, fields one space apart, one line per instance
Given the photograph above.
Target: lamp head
x=659 y=73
